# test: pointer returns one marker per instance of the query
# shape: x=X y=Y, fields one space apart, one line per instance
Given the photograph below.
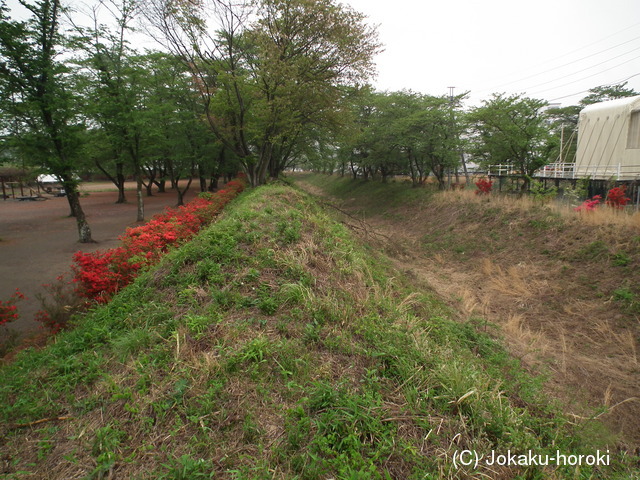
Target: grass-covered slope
x=273 y=346
x=562 y=288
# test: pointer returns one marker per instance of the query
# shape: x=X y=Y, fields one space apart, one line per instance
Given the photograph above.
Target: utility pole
x=451 y=94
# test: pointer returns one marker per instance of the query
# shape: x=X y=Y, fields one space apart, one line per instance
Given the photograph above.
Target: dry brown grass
x=602 y=215
x=520 y=281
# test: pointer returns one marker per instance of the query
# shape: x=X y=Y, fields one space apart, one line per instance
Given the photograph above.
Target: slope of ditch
x=276 y=346
x=563 y=292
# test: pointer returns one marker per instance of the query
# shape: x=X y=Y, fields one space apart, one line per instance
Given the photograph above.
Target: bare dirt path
x=587 y=347
x=38 y=240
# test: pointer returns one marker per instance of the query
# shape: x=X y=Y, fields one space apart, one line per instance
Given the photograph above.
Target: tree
x=428 y=135
x=267 y=82
x=115 y=100
x=179 y=143
x=607 y=92
x=403 y=132
x=563 y=125
x=37 y=97
x=511 y=130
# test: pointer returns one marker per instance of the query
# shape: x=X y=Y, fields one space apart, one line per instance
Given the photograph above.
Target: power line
x=583 y=70
x=573 y=61
x=584 y=78
x=599 y=86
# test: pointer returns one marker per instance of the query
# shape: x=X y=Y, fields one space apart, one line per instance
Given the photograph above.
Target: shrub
x=589 y=205
x=101 y=274
x=58 y=304
x=616 y=197
x=484 y=186
x=8 y=308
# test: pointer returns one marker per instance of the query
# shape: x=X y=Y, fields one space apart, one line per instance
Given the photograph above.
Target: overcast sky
x=549 y=49
x=554 y=50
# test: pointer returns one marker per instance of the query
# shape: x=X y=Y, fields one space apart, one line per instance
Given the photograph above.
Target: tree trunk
x=73 y=197
x=161 y=184
x=140 y=199
x=213 y=182
x=120 y=183
x=118 y=180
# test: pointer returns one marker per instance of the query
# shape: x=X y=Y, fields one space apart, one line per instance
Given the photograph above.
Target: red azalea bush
x=102 y=273
x=8 y=309
x=589 y=205
x=616 y=198
x=484 y=186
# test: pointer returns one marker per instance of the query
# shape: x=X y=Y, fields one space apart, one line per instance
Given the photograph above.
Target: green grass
x=275 y=346
x=369 y=193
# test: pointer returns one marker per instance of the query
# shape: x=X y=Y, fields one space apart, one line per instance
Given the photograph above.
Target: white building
x=609 y=140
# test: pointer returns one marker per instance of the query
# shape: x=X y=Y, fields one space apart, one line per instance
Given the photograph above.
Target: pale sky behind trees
x=554 y=50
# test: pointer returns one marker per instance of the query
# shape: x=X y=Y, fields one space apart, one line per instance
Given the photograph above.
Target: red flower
x=484 y=186
x=101 y=274
x=8 y=309
x=616 y=198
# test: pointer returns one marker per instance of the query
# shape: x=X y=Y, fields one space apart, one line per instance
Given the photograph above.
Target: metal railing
x=573 y=171
x=557 y=170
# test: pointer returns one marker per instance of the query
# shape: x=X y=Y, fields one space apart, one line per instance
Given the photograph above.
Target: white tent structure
x=48 y=179
x=609 y=140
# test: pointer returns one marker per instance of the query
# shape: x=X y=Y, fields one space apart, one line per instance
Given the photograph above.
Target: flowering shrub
x=102 y=273
x=589 y=205
x=484 y=186
x=8 y=309
x=59 y=304
x=616 y=198
x=47 y=322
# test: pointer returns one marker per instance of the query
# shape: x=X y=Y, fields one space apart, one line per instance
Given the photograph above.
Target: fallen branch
x=365 y=226
x=37 y=422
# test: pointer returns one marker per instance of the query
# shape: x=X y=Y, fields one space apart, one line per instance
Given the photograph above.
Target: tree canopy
x=273 y=72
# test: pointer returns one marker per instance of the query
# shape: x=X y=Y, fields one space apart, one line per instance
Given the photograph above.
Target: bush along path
x=99 y=275
x=272 y=345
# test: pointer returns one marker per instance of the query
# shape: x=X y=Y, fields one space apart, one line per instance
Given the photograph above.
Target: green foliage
x=188 y=468
x=539 y=192
x=575 y=195
x=607 y=92
x=403 y=133
x=511 y=130
x=106 y=443
x=593 y=250
x=628 y=297
x=38 y=99
x=277 y=85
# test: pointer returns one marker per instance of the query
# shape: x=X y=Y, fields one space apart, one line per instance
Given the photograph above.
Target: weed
x=592 y=251
x=628 y=298
x=620 y=259
x=267 y=303
x=199 y=324
x=106 y=443
x=187 y=468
